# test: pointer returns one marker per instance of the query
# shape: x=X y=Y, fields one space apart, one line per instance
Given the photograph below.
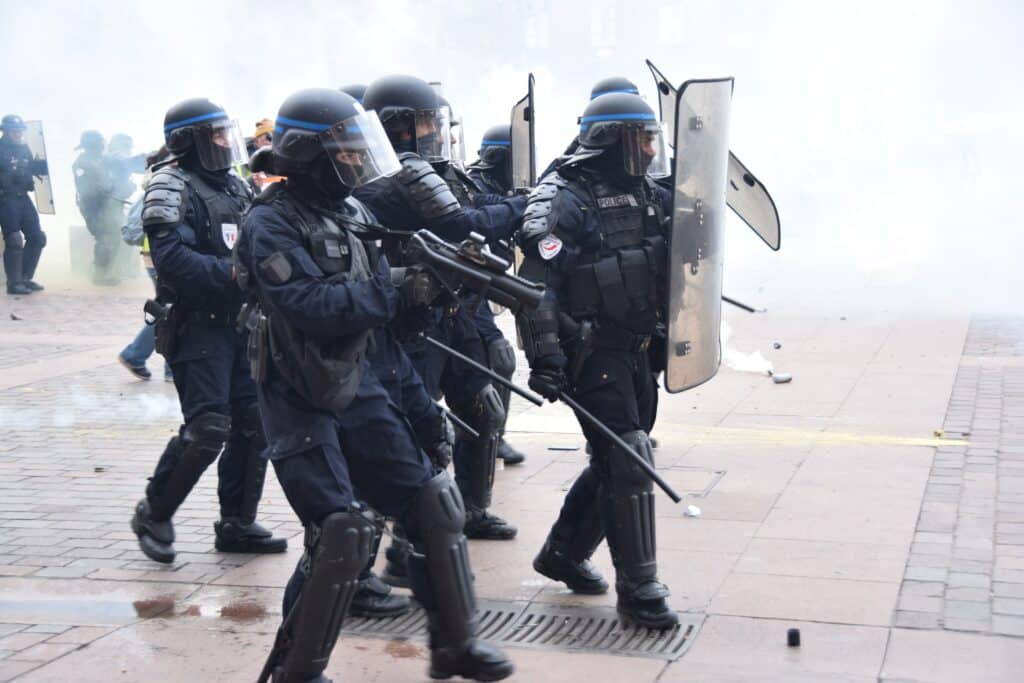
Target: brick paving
x=966 y=567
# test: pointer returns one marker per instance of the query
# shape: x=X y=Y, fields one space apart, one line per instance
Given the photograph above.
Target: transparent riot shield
x=745 y=194
x=701 y=162
x=524 y=152
x=37 y=143
x=750 y=200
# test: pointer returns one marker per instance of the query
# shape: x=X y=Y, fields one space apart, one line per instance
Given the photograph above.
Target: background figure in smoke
x=134 y=356
x=103 y=214
x=19 y=220
x=122 y=165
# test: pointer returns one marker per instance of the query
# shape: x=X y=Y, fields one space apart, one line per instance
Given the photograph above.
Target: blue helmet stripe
x=628 y=91
x=195 y=119
x=305 y=125
x=495 y=143
x=618 y=117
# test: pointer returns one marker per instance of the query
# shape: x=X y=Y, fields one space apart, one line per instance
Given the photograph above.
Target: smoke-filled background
x=888 y=133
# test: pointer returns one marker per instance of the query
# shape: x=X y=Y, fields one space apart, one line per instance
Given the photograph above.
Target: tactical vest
x=325 y=372
x=224 y=209
x=460 y=184
x=617 y=272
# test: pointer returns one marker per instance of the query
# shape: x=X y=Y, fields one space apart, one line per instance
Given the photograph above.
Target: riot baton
x=617 y=440
x=739 y=304
x=459 y=422
x=535 y=400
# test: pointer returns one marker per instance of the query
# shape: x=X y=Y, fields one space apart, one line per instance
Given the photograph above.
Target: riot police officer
x=492 y=171
x=335 y=434
x=492 y=176
x=103 y=213
x=191 y=212
x=417 y=124
x=594 y=233
x=23 y=238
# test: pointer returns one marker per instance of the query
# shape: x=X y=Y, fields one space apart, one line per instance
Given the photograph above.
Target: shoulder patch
x=549 y=247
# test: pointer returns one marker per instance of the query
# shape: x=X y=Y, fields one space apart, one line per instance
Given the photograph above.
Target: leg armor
x=243 y=534
x=374 y=598
x=336 y=552
x=203 y=440
x=484 y=414
x=442 y=582
x=14 y=249
x=629 y=524
x=575 y=536
x=255 y=465
x=502 y=359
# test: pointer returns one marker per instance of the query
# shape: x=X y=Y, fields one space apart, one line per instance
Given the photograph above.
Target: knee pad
x=437 y=509
x=487 y=411
x=14 y=241
x=623 y=470
x=206 y=435
x=502 y=357
x=39 y=239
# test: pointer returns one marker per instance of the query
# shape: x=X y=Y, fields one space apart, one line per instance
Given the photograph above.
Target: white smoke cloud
x=887 y=132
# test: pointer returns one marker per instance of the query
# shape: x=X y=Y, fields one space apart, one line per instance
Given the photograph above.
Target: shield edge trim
x=675 y=125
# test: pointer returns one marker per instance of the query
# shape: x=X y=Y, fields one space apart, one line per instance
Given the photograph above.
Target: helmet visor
x=433 y=134
x=220 y=145
x=360 y=150
x=643 y=149
x=458 y=141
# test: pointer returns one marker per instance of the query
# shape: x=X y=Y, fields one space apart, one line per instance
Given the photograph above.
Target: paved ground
x=876 y=503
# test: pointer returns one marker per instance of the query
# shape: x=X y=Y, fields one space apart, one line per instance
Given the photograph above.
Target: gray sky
x=888 y=133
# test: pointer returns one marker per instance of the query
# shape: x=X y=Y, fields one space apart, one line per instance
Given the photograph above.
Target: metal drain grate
x=551 y=627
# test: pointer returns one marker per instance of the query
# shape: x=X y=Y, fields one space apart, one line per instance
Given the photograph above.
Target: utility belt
x=209 y=318
x=618 y=339
x=620 y=284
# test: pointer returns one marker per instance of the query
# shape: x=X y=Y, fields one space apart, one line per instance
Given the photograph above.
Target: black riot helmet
x=495 y=147
x=325 y=136
x=614 y=84
x=621 y=123
x=200 y=129
x=356 y=90
x=12 y=123
x=414 y=115
x=91 y=141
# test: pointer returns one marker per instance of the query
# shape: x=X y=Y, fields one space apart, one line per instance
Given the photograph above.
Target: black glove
x=441 y=451
x=548 y=382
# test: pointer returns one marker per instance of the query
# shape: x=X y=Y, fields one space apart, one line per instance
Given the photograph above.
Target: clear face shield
x=643 y=149
x=360 y=150
x=433 y=134
x=220 y=145
x=458 y=141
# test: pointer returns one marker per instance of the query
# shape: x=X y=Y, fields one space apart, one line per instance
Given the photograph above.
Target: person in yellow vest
x=134 y=356
x=262 y=137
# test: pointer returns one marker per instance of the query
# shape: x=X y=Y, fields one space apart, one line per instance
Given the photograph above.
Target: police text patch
x=617 y=201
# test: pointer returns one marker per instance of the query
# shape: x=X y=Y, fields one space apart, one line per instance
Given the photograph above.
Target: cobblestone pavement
x=966 y=568
x=828 y=505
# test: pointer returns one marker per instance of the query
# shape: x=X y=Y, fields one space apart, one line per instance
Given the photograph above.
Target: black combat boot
x=374 y=599
x=156 y=538
x=645 y=605
x=482 y=525
x=580 y=575
x=235 y=537
x=509 y=454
